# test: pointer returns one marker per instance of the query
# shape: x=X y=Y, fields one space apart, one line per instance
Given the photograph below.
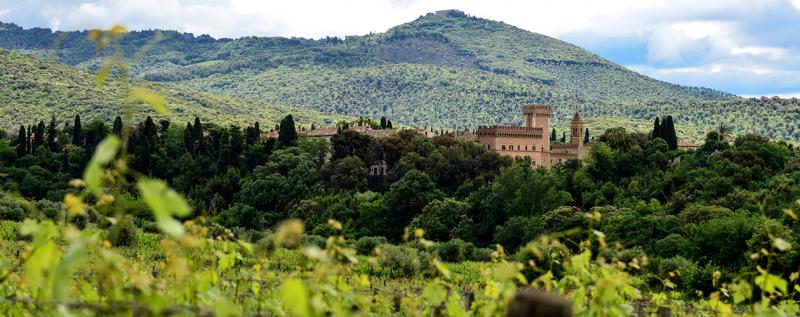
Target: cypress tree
x=188 y=138
x=237 y=143
x=198 y=135
x=388 y=124
x=671 y=136
x=563 y=137
x=383 y=122
x=28 y=144
x=52 y=135
x=117 y=129
x=287 y=135
x=164 y=125
x=586 y=136
x=38 y=136
x=553 y=135
x=22 y=142
x=77 y=133
x=656 y=129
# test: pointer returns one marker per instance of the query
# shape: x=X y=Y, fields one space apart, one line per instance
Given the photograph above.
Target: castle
x=533 y=141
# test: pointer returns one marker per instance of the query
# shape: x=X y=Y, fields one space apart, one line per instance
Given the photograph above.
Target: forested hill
x=420 y=72
x=448 y=72
x=33 y=89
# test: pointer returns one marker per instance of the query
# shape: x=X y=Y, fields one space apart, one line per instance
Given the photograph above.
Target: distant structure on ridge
x=533 y=139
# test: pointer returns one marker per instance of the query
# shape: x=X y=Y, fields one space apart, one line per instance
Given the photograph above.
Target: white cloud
x=3 y=12
x=796 y=4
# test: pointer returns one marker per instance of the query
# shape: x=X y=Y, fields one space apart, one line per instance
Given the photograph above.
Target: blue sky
x=747 y=47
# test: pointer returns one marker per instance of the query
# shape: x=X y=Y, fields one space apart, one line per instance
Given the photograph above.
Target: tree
x=38 y=136
x=349 y=174
x=553 y=136
x=389 y=124
x=77 y=131
x=586 y=136
x=52 y=135
x=287 y=134
x=117 y=128
x=656 y=129
x=563 y=137
x=237 y=144
x=188 y=139
x=440 y=217
x=669 y=134
x=22 y=141
x=198 y=136
x=406 y=198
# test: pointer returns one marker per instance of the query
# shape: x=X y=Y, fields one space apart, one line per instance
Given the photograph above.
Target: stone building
x=532 y=140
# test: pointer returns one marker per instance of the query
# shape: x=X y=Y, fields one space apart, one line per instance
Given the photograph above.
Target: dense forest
x=674 y=205
x=446 y=72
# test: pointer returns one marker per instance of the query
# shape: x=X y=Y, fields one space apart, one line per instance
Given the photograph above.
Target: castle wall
x=532 y=141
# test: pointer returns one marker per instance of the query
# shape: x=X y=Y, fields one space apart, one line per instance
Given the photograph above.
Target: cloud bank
x=747 y=47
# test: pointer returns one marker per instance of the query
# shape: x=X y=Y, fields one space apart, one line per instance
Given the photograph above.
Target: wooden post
x=469 y=298
x=530 y=302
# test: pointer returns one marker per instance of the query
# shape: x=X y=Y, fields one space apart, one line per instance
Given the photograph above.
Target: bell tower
x=576 y=126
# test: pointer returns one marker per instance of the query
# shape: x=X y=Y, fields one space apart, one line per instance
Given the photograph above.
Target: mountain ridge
x=444 y=72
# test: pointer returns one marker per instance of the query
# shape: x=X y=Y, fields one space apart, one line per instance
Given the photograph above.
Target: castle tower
x=577 y=126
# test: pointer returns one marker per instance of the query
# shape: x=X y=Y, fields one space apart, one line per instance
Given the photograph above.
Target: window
x=526 y=148
x=504 y=147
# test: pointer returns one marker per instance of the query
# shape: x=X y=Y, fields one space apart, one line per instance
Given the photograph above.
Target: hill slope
x=34 y=89
x=447 y=72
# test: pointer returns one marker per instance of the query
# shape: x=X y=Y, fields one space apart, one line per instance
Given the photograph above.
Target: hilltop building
x=532 y=140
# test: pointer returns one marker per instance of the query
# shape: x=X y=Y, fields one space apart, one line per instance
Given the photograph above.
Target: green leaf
x=151 y=98
x=782 y=244
x=103 y=154
x=771 y=283
x=104 y=71
x=435 y=293
x=164 y=202
x=295 y=298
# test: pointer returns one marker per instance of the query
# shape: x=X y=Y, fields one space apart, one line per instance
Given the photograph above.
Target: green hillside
x=455 y=71
x=34 y=89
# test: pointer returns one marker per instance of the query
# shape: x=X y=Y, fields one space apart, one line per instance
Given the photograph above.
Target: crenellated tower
x=577 y=128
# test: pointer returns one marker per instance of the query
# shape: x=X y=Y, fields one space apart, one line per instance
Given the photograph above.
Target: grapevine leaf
x=782 y=244
x=104 y=153
x=164 y=202
x=151 y=98
x=435 y=293
x=295 y=298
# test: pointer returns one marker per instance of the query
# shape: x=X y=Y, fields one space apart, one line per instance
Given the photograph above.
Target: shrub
x=400 y=260
x=563 y=219
x=11 y=210
x=545 y=257
x=8 y=230
x=313 y=240
x=685 y=274
x=122 y=233
x=51 y=209
x=366 y=245
x=455 y=250
x=517 y=231
x=481 y=255
x=672 y=245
